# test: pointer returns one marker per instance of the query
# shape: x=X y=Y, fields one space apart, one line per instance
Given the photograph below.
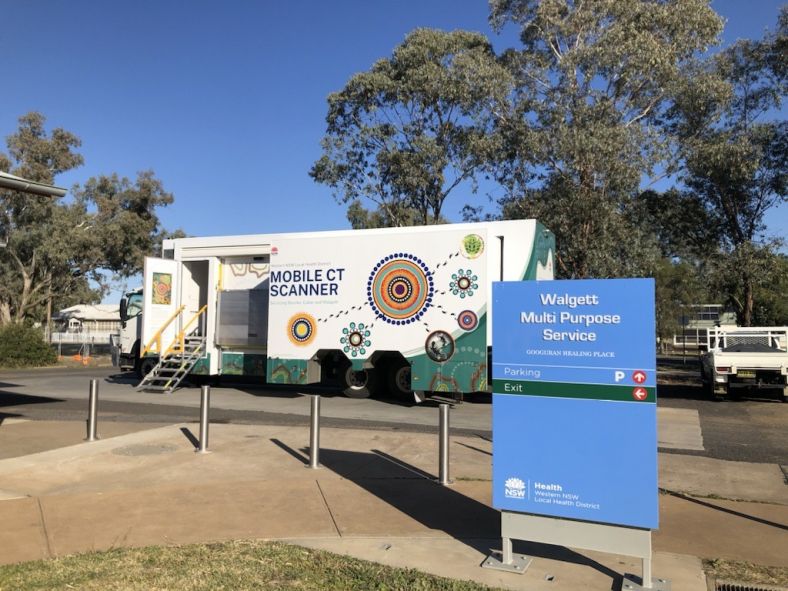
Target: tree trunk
x=748 y=306
x=5 y=313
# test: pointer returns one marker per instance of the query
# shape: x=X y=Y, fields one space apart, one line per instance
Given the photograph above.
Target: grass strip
x=226 y=566
x=740 y=571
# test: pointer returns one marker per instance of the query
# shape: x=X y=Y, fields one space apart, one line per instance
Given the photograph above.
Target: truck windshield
x=134 y=307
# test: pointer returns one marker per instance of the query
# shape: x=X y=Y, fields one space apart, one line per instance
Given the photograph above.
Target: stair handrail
x=157 y=337
x=179 y=342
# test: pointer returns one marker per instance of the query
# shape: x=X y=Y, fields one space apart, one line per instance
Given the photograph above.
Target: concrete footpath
x=374 y=498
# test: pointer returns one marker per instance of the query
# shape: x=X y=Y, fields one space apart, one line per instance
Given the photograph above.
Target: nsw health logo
x=514 y=488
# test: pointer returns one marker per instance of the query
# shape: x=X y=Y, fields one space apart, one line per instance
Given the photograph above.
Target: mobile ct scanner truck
x=402 y=309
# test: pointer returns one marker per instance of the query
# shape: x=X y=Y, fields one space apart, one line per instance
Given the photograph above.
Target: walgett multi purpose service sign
x=574 y=403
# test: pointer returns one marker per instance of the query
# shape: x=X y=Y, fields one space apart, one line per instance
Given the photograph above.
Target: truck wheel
x=358 y=384
x=398 y=380
x=145 y=366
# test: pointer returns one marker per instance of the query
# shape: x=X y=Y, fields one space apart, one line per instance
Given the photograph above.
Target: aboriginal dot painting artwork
x=162 y=289
x=422 y=298
x=302 y=329
x=400 y=289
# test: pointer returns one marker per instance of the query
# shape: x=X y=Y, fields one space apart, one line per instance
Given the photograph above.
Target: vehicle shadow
x=682 y=391
x=126 y=377
x=411 y=491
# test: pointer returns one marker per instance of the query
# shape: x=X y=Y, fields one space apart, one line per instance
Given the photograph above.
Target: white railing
x=769 y=336
x=692 y=340
x=80 y=338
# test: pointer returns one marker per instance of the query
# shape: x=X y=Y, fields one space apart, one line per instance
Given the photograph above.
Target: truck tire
x=145 y=365
x=358 y=384
x=398 y=380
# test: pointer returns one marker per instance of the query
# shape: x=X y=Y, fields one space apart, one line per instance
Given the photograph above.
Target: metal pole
x=506 y=551
x=647 y=573
x=92 y=410
x=205 y=404
x=314 y=433
x=443 y=448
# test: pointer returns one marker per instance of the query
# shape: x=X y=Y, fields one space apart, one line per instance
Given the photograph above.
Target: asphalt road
x=746 y=429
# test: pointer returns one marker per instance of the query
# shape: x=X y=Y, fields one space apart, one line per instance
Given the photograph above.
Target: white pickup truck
x=745 y=357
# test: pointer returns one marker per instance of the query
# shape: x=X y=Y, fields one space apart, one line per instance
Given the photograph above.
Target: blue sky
x=226 y=101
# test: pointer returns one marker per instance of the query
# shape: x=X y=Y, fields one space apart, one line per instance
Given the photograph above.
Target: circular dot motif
x=467 y=320
x=463 y=283
x=302 y=329
x=355 y=339
x=400 y=289
x=472 y=246
x=439 y=346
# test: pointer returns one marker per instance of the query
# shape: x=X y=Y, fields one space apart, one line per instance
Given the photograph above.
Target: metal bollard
x=205 y=403
x=314 y=433
x=92 y=411
x=443 y=448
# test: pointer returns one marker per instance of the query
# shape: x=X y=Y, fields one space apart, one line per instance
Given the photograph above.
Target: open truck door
x=160 y=305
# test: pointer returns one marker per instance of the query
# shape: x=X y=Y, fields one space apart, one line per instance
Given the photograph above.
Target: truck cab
x=126 y=346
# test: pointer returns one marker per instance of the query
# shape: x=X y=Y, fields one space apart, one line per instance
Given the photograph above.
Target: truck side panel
x=421 y=294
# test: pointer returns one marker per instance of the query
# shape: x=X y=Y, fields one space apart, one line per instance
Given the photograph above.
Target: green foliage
x=771 y=303
x=736 y=161
x=56 y=247
x=596 y=237
x=417 y=125
x=684 y=229
x=24 y=346
x=595 y=83
x=678 y=284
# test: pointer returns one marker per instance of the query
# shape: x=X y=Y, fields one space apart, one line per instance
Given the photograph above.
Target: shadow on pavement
x=685 y=391
x=127 y=377
x=191 y=437
x=481 y=451
x=14 y=399
x=415 y=493
x=7 y=415
x=710 y=505
x=297 y=455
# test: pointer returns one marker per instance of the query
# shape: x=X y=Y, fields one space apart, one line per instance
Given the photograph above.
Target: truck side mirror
x=123 y=310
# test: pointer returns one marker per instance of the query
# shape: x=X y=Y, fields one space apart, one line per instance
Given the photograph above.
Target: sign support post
x=574 y=419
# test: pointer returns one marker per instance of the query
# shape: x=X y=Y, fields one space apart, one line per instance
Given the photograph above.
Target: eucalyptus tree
x=736 y=157
x=414 y=127
x=56 y=246
x=595 y=80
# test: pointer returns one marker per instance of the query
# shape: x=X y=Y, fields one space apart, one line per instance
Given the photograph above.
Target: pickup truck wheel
x=358 y=384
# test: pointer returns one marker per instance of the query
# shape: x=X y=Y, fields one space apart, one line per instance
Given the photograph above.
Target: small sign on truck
x=745 y=357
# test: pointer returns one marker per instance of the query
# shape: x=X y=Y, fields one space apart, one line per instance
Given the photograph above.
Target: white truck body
x=745 y=357
x=295 y=308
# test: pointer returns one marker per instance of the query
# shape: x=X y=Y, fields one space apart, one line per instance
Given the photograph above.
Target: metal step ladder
x=172 y=368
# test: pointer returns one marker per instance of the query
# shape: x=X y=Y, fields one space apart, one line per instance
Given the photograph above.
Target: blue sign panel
x=574 y=400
